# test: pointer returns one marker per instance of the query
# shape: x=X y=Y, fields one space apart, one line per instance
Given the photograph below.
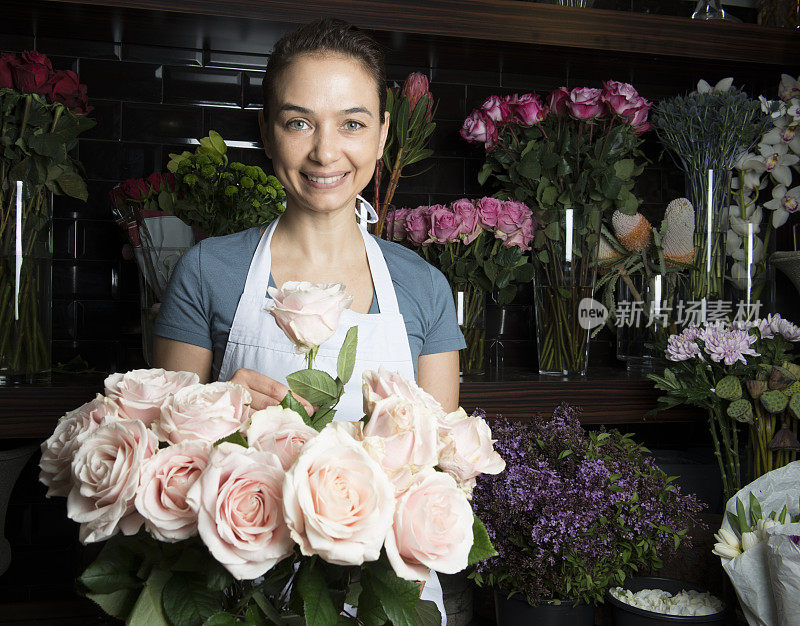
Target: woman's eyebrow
x=353 y=110
x=304 y=111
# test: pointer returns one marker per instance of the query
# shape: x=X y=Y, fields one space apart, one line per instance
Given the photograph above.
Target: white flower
x=755 y=245
x=789 y=87
x=725 y=551
x=784 y=201
x=777 y=161
x=772 y=108
x=752 y=167
x=721 y=87
x=726 y=536
x=786 y=132
x=749 y=540
x=739 y=274
x=741 y=225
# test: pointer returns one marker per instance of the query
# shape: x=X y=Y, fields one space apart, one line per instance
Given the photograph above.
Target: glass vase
x=25 y=284
x=563 y=293
x=470 y=302
x=749 y=279
x=649 y=309
x=708 y=190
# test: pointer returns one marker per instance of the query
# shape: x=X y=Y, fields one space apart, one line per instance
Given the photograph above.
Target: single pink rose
x=467 y=449
x=514 y=224
x=279 y=431
x=469 y=227
x=432 y=528
x=416 y=225
x=557 y=101
x=337 y=500
x=237 y=500
x=528 y=109
x=395 y=224
x=166 y=478
x=59 y=449
x=140 y=393
x=522 y=237
x=308 y=313
x=478 y=128
x=444 y=227
x=489 y=210
x=637 y=118
x=496 y=109
x=203 y=412
x=105 y=476
x=585 y=103
x=382 y=384
x=620 y=97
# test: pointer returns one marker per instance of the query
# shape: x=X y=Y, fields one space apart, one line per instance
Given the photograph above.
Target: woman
x=324 y=126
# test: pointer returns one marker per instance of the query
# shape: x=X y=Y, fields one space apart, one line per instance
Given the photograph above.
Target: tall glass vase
x=26 y=252
x=750 y=280
x=563 y=290
x=470 y=302
x=708 y=190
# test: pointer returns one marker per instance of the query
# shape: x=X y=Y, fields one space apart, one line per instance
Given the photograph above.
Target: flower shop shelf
x=607 y=396
x=504 y=21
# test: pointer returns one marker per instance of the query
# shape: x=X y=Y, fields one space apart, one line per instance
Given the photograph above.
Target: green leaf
x=322 y=418
x=624 y=169
x=118 y=603
x=398 y=597
x=166 y=201
x=315 y=386
x=426 y=613
x=252 y=617
x=549 y=196
x=755 y=509
x=552 y=231
x=187 y=601
x=236 y=438
x=317 y=604
x=266 y=606
x=482 y=547
x=290 y=402
x=733 y=520
x=484 y=173
x=741 y=516
x=220 y=619
x=49 y=145
x=347 y=355
x=115 y=568
x=147 y=610
x=71 y=184
x=370 y=611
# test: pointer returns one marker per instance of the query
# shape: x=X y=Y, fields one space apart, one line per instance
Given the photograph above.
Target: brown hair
x=326 y=35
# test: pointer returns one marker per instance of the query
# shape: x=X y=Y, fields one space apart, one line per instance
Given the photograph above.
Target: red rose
x=31 y=57
x=65 y=88
x=7 y=64
x=168 y=180
x=155 y=181
x=32 y=77
x=135 y=189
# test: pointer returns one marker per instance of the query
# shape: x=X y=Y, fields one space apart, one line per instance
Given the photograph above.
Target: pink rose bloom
x=382 y=384
x=403 y=437
x=469 y=226
x=140 y=393
x=467 y=449
x=557 y=101
x=489 y=210
x=395 y=224
x=585 y=103
x=416 y=225
x=432 y=528
x=478 y=128
x=203 y=412
x=337 y=500
x=637 y=118
x=308 y=313
x=620 y=98
x=239 y=514
x=105 y=476
x=529 y=109
x=166 y=478
x=444 y=226
x=59 y=449
x=496 y=109
x=279 y=431
x=515 y=225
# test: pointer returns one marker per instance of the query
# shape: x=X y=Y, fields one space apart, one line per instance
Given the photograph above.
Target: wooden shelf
x=511 y=21
x=609 y=397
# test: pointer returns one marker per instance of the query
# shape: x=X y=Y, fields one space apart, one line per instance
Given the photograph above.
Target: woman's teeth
x=325 y=180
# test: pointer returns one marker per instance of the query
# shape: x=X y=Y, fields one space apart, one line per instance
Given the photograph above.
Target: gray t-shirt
x=205 y=288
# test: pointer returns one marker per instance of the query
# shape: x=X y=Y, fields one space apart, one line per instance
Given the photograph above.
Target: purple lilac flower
x=728 y=345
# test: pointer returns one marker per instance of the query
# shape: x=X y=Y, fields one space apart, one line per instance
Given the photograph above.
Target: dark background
x=160 y=81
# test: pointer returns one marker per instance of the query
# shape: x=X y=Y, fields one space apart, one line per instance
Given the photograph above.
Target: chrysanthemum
x=682 y=347
x=728 y=344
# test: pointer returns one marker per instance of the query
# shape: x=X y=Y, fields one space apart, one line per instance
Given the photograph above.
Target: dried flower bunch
x=576 y=512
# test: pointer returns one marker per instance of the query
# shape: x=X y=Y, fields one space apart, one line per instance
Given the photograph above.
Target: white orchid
x=789 y=87
x=722 y=86
x=774 y=109
x=784 y=202
x=777 y=161
x=739 y=274
x=751 y=166
x=740 y=225
x=785 y=131
x=740 y=252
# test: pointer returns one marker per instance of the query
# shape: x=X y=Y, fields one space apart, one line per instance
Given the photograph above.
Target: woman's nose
x=325 y=148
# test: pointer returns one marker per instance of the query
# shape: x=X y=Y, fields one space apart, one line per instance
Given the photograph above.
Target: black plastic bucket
x=627 y=615
x=516 y=612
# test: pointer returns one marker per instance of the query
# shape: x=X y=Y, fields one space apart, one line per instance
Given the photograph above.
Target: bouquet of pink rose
x=230 y=515
x=480 y=246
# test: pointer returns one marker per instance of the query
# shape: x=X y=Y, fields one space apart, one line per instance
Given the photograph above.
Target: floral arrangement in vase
x=769 y=172
x=572 y=515
x=571 y=158
x=216 y=513
x=480 y=246
x=740 y=373
x=42 y=113
x=410 y=109
x=707 y=131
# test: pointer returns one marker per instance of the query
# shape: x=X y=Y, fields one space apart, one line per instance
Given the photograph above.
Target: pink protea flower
x=682 y=347
x=728 y=344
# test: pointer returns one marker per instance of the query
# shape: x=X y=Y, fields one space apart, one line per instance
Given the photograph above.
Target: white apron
x=255 y=342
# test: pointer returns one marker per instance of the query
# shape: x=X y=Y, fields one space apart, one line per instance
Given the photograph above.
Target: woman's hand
x=265 y=391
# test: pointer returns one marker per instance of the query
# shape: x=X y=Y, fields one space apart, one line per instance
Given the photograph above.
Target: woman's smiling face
x=324 y=133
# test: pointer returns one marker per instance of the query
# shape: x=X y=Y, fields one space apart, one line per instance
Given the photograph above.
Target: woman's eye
x=297 y=125
x=353 y=125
